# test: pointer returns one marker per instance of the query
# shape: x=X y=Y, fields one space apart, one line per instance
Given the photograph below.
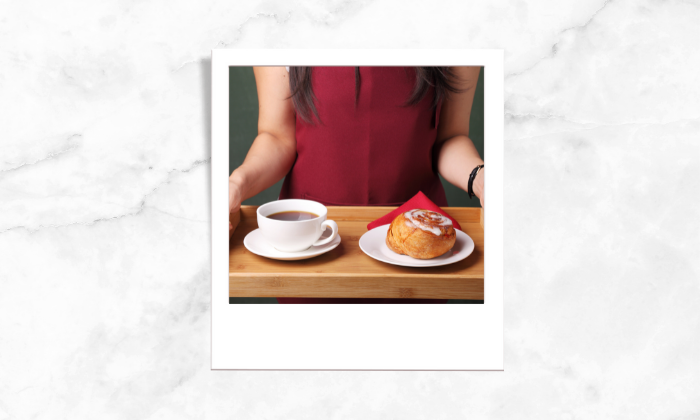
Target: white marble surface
x=104 y=210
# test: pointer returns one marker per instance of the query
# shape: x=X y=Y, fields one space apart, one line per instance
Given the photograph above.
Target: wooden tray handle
x=234 y=218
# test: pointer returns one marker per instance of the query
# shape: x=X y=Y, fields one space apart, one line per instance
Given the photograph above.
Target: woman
x=361 y=136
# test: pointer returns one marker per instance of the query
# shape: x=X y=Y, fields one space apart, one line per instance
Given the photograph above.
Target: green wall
x=243 y=120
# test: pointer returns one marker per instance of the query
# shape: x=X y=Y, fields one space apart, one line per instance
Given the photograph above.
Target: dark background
x=243 y=128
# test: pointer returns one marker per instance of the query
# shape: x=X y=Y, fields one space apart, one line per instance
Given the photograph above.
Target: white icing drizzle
x=437 y=219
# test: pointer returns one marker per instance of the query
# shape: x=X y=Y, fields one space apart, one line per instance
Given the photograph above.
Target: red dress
x=378 y=152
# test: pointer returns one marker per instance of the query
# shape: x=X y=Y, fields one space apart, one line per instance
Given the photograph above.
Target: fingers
x=234 y=204
x=231 y=199
x=234 y=198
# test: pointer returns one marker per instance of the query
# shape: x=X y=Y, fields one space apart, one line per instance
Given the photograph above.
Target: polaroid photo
x=359 y=235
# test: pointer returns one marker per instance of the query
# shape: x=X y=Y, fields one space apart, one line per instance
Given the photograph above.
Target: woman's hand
x=234 y=202
x=234 y=196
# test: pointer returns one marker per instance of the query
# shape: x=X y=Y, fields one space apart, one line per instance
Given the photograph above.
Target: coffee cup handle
x=331 y=224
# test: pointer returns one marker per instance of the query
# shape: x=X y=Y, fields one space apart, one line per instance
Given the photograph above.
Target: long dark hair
x=441 y=78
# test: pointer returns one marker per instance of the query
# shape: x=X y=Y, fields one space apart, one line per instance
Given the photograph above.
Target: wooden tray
x=347 y=272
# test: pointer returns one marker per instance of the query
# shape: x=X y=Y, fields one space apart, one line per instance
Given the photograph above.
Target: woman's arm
x=273 y=152
x=457 y=156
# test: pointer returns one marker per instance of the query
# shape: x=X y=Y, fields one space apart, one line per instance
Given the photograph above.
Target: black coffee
x=293 y=216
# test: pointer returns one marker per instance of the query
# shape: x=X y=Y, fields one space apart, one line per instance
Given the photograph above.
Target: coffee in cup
x=295 y=225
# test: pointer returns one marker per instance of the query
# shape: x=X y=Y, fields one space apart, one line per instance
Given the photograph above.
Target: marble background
x=104 y=209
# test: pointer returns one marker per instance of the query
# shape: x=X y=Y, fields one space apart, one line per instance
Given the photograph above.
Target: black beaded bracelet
x=475 y=171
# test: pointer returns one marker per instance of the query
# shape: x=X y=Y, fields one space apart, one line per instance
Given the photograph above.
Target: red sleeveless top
x=378 y=152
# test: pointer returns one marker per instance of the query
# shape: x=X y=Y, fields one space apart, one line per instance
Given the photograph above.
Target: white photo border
x=359 y=337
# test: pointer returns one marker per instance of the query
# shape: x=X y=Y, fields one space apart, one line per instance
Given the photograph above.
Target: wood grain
x=234 y=218
x=348 y=272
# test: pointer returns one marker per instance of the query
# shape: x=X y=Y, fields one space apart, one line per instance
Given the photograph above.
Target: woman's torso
x=376 y=152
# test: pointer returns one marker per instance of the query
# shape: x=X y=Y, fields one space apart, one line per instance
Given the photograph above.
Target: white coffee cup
x=298 y=235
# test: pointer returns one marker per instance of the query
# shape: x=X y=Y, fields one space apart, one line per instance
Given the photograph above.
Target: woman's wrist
x=473 y=187
x=478 y=184
x=237 y=180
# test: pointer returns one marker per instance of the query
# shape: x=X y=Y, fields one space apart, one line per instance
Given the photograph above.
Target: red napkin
x=419 y=201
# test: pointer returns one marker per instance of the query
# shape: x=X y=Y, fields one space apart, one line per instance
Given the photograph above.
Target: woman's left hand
x=478 y=187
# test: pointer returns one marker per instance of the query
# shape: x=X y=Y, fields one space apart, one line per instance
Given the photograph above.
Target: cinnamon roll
x=421 y=234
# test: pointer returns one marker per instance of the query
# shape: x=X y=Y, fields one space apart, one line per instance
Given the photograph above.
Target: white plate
x=256 y=243
x=373 y=243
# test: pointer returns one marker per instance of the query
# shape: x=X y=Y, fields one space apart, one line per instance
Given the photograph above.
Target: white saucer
x=256 y=243
x=373 y=243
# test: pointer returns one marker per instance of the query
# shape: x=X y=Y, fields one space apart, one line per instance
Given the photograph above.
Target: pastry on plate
x=421 y=234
